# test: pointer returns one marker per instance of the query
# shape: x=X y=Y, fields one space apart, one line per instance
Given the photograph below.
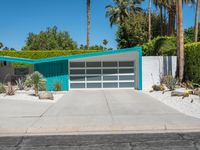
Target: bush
x=58 y=86
x=38 y=54
x=20 y=84
x=163 y=45
x=192 y=62
x=169 y=81
x=2 y=88
x=36 y=81
x=160 y=46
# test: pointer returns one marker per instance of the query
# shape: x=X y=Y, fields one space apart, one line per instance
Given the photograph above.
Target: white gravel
x=28 y=96
x=189 y=105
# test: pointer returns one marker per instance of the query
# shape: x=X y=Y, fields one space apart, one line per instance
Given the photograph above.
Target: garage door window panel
x=93 y=71
x=77 y=64
x=109 y=71
x=110 y=78
x=110 y=85
x=78 y=71
x=93 y=78
x=109 y=64
x=126 y=64
x=126 y=77
x=126 y=71
x=126 y=84
x=93 y=85
x=77 y=78
x=77 y=85
x=93 y=64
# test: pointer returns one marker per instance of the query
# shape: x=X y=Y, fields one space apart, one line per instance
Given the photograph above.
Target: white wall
x=155 y=66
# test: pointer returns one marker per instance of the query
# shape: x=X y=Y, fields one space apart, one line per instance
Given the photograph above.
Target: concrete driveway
x=93 y=111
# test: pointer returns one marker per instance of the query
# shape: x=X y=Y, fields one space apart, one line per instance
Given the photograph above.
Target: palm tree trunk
x=150 y=20
x=180 y=39
x=196 y=29
x=161 y=21
x=165 y=21
x=88 y=24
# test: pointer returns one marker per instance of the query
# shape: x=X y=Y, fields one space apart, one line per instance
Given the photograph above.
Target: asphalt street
x=160 y=141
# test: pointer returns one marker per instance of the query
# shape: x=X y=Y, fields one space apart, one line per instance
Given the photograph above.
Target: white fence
x=155 y=66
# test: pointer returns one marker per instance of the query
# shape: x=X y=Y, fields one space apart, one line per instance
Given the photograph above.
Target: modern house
x=96 y=70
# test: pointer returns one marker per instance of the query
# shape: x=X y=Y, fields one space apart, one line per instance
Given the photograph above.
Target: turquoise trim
x=140 y=68
x=17 y=60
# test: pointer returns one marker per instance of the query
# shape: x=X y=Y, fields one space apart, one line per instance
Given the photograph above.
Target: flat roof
x=68 y=57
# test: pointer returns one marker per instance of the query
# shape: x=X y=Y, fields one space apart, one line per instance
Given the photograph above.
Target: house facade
x=97 y=70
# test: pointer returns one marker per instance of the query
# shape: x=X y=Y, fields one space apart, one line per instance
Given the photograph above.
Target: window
x=77 y=64
x=109 y=64
x=93 y=64
x=126 y=64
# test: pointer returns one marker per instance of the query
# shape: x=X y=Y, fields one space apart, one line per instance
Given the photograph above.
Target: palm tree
x=149 y=20
x=121 y=10
x=180 y=39
x=161 y=4
x=88 y=24
x=105 y=42
x=118 y=13
x=196 y=28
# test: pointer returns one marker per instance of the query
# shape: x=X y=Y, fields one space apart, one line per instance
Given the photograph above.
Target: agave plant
x=35 y=80
x=20 y=84
x=2 y=88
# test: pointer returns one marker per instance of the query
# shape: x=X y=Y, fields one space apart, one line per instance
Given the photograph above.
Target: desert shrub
x=170 y=82
x=192 y=62
x=58 y=86
x=36 y=81
x=42 y=85
x=2 y=88
x=10 y=90
x=20 y=83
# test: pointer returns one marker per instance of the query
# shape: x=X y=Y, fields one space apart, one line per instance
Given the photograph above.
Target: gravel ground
x=188 y=105
x=28 y=96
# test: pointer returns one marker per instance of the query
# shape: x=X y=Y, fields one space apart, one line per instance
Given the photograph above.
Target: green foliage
x=120 y=10
x=189 y=34
x=42 y=85
x=160 y=46
x=58 y=86
x=36 y=81
x=43 y=54
x=192 y=62
x=2 y=88
x=170 y=82
x=51 y=39
x=134 y=31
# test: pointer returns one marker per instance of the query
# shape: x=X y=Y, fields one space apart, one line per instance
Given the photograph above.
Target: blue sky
x=19 y=17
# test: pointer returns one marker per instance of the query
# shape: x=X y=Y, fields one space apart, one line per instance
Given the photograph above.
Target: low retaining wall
x=155 y=66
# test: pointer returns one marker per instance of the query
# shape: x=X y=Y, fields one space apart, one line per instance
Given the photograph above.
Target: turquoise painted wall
x=54 y=72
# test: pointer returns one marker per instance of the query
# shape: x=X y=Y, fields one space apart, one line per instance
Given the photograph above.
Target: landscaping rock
x=196 y=91
x=158 y=88
x=46 y=95
x=181 y=92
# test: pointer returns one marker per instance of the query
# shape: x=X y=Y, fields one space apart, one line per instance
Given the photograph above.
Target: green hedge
x=160 y=46
x=38 y=54
x=192 y=62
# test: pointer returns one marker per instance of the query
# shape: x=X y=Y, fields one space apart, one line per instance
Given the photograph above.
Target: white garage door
x=107 y=74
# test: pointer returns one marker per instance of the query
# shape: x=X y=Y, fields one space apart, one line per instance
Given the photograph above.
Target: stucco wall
x=156 y=66
x=7 y=72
